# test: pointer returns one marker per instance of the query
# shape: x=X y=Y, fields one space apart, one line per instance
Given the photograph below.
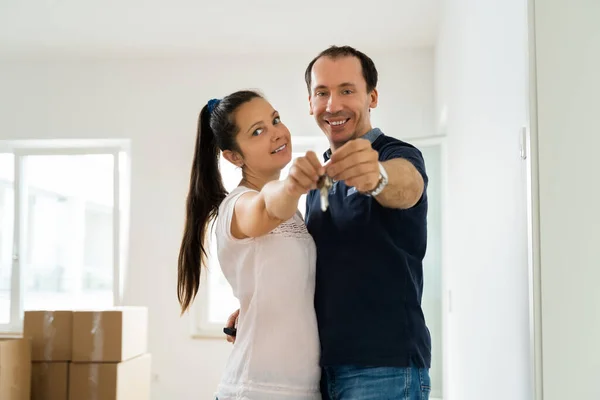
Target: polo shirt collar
x=371 y=136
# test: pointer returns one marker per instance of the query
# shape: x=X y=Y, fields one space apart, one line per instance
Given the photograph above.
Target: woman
x=264 y=249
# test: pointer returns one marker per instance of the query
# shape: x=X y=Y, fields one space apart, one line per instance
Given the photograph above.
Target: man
x=371 y=241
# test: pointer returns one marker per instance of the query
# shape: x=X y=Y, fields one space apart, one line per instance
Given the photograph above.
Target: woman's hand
x=304 y=174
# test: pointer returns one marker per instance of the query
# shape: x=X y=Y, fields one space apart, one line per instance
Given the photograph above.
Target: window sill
x=10 y=335
x=208 y=331
x=208 y=336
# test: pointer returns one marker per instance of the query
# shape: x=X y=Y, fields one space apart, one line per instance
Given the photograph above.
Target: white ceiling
x=222 y=26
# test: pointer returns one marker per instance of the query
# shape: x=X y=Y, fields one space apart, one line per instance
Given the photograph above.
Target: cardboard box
x=50 y=333
x=15 y=369
x=50 y=381
x=111 y=335
x=127 y=380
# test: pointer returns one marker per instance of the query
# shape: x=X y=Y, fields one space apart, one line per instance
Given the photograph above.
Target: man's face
x=339 y=100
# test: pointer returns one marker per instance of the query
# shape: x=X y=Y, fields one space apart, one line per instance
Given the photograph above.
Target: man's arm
x=357 y=163
x=405 y=185
x=231 y=324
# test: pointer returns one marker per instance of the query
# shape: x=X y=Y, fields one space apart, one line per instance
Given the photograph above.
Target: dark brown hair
x=217 y=131
x=368 y=66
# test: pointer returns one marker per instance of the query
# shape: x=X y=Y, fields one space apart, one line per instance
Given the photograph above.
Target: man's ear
x=374 y=98
x=310 y=111
x=234 y=157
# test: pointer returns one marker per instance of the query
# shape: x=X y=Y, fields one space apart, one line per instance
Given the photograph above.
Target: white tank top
x=276 y=352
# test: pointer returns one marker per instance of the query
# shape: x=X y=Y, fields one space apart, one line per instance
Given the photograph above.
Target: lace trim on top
x=291 y=229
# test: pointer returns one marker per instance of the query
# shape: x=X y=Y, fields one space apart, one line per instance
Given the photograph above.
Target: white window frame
x=121 y=181
x=201 y=328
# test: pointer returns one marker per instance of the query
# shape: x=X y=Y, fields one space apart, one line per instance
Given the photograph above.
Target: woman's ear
x=234 y=157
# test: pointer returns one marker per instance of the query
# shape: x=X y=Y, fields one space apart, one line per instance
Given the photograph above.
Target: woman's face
x=264 y=141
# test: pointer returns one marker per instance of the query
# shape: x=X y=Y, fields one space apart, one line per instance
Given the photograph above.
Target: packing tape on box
x=49 y=333
x=97 y=352
x=94 y=382
x=97 y=337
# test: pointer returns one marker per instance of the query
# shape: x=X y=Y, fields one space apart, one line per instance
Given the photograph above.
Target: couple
x=330 y=307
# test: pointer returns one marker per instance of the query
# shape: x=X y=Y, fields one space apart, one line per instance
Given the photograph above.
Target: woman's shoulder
x=225 y=215
x=241 y=189
x=236 y=193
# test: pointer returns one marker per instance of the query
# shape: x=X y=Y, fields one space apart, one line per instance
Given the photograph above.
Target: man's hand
x=232 y=323
x=355 y=163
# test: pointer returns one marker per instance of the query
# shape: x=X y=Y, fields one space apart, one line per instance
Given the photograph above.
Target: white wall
x=568 y=60
x=155 y=103
x=481 y=82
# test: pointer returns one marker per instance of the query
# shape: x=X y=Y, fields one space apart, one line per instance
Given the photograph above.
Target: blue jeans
x=375 y=383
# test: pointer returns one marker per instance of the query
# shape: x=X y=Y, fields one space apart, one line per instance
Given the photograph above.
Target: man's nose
x=334 y=104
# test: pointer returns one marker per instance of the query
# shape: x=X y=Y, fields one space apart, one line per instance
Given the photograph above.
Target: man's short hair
x=368 y=66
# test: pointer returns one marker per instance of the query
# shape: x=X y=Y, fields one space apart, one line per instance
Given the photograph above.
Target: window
x=6 y=233
x=62 y=214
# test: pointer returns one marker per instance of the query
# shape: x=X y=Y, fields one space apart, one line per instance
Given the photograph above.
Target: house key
x=324 y=184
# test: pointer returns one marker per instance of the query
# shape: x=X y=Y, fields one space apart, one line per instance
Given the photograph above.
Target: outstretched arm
x=357 y=163
x=257 y=214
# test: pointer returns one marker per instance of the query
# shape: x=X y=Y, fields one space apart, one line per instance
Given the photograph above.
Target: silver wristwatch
x=383 y=181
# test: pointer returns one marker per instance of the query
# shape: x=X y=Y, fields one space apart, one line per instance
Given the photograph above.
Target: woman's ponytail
x=206 y=193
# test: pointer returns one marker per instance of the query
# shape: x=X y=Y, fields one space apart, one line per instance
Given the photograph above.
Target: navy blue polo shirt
x=370 y=272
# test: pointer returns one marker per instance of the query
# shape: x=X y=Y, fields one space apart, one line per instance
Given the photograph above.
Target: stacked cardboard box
x=110 y=360
x=90 y=355
x=15 y=369
x=51 y=334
